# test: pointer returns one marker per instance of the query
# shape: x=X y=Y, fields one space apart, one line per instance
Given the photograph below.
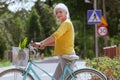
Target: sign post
x=96 y=36
x=94 y=17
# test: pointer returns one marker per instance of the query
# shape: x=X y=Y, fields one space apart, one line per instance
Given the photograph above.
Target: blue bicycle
x=29 y=73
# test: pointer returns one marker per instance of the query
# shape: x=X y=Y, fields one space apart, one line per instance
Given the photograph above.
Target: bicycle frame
x=29 y=68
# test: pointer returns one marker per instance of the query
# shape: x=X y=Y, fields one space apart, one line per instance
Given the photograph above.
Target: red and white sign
x=102 y=31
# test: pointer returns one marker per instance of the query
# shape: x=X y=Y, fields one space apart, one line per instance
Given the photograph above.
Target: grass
x=5 y=63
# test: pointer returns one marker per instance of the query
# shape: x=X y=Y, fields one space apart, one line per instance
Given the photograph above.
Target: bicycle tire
x=14 y=74
x=88 y=74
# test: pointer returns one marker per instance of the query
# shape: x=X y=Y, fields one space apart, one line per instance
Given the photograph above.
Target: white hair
x=62 y=6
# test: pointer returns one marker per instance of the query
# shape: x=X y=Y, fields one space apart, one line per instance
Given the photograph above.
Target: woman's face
x=61 y=14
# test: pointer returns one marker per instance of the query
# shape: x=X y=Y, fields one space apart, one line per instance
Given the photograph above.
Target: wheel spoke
x=88 y=74
x=13 y=74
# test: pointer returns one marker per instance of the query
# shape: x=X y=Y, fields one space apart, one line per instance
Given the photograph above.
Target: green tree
x=3 y=7
x=113 y=18
x=47 y=20
x=34 y=30
x=15 y=26
x=2 y=47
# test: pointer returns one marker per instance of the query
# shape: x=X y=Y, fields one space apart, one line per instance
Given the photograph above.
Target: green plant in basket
x=23 y=44
x=23 y=52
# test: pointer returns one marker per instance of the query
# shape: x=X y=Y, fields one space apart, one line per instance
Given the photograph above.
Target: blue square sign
x=94 y=16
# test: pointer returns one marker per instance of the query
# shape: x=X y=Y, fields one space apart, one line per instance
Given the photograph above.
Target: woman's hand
x=39 y=45
x=50 y=41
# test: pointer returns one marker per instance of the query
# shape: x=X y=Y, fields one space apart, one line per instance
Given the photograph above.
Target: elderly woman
x=62 y=39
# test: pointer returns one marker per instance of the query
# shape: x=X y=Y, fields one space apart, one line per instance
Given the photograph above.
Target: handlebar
x=33 y=50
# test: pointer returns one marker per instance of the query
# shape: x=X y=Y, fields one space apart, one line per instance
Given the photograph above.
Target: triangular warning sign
x=103 y=22
x=94 y=17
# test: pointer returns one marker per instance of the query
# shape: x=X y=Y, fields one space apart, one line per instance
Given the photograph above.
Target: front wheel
x=87 y=74
x=14 y=74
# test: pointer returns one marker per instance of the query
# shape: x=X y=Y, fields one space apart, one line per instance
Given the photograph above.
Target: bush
x=90 y=54
x=110 y=67
x=2 y=48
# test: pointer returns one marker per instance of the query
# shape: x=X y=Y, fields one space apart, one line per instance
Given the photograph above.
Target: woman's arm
x=50 y=41
x=51 y=44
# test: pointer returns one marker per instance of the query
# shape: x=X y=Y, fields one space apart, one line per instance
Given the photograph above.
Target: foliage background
x=39 y=22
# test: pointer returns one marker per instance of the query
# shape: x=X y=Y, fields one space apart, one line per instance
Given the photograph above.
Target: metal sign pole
x=96 y=36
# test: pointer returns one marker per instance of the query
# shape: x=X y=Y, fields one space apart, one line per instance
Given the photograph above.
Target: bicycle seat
x=70 y=57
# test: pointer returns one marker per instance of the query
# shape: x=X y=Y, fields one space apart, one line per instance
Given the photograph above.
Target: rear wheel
x=14 y=74
x=87 y=74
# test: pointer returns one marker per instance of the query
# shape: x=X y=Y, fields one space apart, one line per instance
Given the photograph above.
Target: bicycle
x=29 y=73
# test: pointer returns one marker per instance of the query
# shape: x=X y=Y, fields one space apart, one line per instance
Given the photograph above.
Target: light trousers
x=60 y=67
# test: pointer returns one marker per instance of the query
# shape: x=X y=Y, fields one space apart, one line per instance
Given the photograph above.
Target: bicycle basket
x=20 y=56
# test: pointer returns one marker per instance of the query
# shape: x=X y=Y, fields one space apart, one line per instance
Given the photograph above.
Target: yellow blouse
x=64 y=39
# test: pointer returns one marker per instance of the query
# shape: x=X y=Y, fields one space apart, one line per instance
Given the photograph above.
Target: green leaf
x=23 y=44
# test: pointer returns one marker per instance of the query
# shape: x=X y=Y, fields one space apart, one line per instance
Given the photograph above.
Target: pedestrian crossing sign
x=94 y=16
